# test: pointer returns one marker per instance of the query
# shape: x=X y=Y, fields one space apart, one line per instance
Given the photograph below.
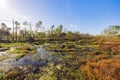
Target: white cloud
x=74 y=27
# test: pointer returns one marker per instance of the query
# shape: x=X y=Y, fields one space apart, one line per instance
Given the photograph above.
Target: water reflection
x=38 y=59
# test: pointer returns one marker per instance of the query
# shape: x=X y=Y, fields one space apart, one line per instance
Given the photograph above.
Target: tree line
x=26 y=31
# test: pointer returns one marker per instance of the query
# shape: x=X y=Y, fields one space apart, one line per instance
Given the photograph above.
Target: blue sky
x=86 y=16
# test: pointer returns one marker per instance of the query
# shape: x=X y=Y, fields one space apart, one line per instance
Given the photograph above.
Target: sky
x=85 y=16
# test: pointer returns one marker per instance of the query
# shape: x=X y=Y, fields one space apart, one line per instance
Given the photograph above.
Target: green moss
x=22 y=50
x=18 y=56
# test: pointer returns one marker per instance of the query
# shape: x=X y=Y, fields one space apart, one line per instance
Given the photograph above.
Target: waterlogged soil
x=6 y=61
x=37 y=60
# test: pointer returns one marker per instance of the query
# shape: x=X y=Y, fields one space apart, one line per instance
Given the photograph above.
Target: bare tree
x=16 y=28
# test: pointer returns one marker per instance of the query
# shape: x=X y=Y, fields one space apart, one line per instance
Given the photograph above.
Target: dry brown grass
x=105 y=69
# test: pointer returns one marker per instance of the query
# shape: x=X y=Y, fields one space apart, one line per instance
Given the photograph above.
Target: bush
x=115 y=50
x=15 y=74
x=71 y=46
x=105 y=69
x=31 y=40
x=20 y=55
x=106 y=48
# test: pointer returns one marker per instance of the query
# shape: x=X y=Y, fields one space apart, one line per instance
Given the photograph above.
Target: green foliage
x=111 y=31
x=22 y=50
x=20 y=55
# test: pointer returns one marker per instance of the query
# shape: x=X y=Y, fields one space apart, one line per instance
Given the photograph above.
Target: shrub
x=104 y=69
x=115 y=50
x=20 y=55
x=106 y=48
x=15 y=74
x=71 y=46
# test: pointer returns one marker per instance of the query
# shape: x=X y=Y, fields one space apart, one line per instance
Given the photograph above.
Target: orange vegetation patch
x=112 y=42
x=105 y=69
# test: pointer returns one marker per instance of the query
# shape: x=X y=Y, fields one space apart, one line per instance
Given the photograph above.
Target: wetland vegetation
x=59 y=40
x=59 y=55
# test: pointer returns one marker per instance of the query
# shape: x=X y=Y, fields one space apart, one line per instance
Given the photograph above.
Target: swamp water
x=37 y=60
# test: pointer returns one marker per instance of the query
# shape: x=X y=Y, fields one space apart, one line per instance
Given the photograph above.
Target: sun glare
x=3 y=4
